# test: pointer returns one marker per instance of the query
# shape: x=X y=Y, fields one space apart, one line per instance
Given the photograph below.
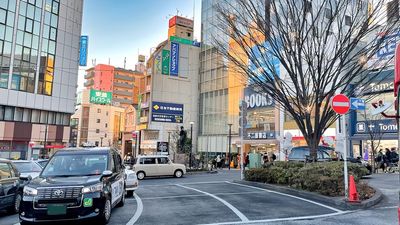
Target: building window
x=43 y=117
x=35 y=116
x=392 y=10
x=19 y=112
x=27 y=115
x=98 y=110
x=98 y=121
x=347 y=20
x=97 y=131
x=9 y=113
x=106 y=125
x=96 y=143
x=105 y=135
x=1 y=112
x=307 y=6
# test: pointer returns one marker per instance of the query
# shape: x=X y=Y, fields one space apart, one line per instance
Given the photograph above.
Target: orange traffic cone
x=231 y=164
x=353 y=195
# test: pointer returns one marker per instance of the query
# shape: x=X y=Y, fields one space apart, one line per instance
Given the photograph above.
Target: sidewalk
x=388 y=184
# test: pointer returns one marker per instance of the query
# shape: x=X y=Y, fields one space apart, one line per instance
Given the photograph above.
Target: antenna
x=194 y=8
x=109 y=61
x=125 y=63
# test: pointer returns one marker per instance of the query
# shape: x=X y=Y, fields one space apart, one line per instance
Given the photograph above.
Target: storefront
x=366 y=127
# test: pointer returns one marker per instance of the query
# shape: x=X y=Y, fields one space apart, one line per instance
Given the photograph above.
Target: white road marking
x=202 y=195
x=282 y=219
x=174 y=184
x=388 y=207
x=139 y=210
x=233 y=208
x=292 y=196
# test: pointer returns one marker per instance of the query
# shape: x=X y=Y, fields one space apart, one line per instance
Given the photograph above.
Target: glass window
x=162 y=160
x=52 y=47
x=35 y=116
x=1 y=112
x=11 y=5
x=26 y=115
x=97 y=131
x=3 y=14
x=54 y=20
x=29 y=25
x=48 y=5
x=31 y=2
x=39 y=3
x=20 y=37
x=9 y=34
x=31 y=84
x=3 y=4
x=15 y=81
x=47 y=17
x=4 y=80
x=21 y=22
x=35 y=41
x=8 y=113
x=46 y=31
x=28 y=40
x=55 y=7
x=67 y=119
x=10 y=18
x=23 y=83
x=53 y=34
x=149 y=161
x=51 y=118
x=36 y=28
x=19 y=112
x=59 y=119
x=30 y=11
x=2 y=31
x=18 y=51
x=43 y=116
x=5 y=171
x=7 y=49
x=26 y=54
x=38 y=14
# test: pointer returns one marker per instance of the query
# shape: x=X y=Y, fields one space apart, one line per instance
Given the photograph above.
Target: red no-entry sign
x=340 y=104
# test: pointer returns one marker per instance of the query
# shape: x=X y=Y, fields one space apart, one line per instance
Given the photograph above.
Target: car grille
x=59 y=193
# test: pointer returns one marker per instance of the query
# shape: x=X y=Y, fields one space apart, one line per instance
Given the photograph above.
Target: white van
x=157 y=165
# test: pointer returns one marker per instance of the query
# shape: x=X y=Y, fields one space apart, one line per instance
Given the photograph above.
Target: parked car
x=42 y=162
x=76 y=184
x=28 y=168
x=302 y=154
x=131 y=181
x=147 y=166
x=11 y=186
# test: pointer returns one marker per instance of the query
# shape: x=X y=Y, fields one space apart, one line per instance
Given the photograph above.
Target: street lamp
x=191 y=144
x=229 y=145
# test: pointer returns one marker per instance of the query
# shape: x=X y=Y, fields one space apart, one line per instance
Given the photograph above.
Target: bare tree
x=323 y=47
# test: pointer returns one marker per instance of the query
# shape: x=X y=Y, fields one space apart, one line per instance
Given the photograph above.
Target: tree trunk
x=313 y=145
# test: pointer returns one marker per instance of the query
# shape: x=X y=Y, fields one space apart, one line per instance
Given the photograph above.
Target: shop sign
x=184 y=41
x=167 y=112
x=376 y=126
x=83 y=48
x=385 y=54
x=261 y=135
x=177 y=20
x=257 y=100
x=165 y=62
x=174 y=59
x=100 y=97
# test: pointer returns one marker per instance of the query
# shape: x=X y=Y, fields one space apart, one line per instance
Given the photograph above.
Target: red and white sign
x=177 y=20
x=340 y=104
x=397 y=70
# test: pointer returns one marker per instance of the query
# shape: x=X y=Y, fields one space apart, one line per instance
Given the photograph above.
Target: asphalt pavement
x=214 y=199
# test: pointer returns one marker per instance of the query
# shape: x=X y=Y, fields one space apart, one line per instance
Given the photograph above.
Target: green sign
x=87 y=202
x=165 y=62
x=100 y=97
x=180 y=40
x=139 y=110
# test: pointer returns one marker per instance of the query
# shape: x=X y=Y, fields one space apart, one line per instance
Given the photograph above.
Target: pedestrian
x=394 y=156
x=218 y=159
x=273 y=157
x=380 y=161
x=265 y=158
x=247 y=160
x=387 y=159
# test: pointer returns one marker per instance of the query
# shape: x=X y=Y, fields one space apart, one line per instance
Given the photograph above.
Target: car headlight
x=93 y=188
x=28 y=191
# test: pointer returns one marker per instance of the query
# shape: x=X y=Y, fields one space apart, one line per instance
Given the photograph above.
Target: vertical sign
x=174 y=59
x=165 y=62
x=83 y=50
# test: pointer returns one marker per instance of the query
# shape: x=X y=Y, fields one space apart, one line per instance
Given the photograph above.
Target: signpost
x=357 y=104
x=341 y=105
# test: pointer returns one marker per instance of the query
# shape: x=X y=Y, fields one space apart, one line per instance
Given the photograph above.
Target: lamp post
x=229 y=145
x=101 y=141
x=191 y=144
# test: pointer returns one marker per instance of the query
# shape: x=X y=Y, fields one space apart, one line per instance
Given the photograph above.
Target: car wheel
x=129 y=194
x=122 y=201
x=105 y=216
x=178 y=173
x=140 y=175
x=17 y=202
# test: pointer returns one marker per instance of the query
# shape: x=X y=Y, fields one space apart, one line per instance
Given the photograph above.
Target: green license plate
x=56 y=209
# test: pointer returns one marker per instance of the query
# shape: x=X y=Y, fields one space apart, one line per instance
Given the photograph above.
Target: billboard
x=157 y=63
x=83 y=47
x=174 y=59
x=165 y=62
x=256 y=99
x=184 y=41
x=181 y=21
x=100 y=97
x=141 y=58
x=385 y=55
x=167 y=112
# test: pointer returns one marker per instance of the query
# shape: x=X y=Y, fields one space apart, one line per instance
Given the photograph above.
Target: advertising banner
x=157 y=64
x=174 y=59
x=376 y=126
x=167 y=112
x=165 y=62
x=100 y=97
x=385 y=55
x=255 y=99
x=83 y=47
x=184 y=41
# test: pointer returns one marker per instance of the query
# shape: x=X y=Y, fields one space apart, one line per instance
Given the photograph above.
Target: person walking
x=379 y=161
x=218 y=159
x=387 y=159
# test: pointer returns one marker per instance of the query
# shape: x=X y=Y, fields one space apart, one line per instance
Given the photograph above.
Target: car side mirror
x=106 y=173
x=25 y=177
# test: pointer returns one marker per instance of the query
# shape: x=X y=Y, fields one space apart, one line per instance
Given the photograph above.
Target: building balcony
x=123 y=93
x=148 y=88
x=123 y=77
x=123 y=85
x=123 y=101
x=89 y=83
x=89 y=75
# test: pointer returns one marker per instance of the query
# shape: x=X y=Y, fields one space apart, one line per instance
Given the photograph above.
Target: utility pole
x=101 y=141
x=45 y=139
x=229 y=145
x=191 y=144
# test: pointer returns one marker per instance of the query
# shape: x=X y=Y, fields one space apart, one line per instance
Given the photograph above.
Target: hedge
x=325 y=178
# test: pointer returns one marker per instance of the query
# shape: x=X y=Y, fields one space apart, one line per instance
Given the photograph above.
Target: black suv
x=76 y=184
x=10 y=186
x=303 y=153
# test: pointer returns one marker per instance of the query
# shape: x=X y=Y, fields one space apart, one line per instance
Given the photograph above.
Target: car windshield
x=76 y=165
x=43 y=163
x=27 y=167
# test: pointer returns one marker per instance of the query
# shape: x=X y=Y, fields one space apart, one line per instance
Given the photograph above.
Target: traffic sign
x=340 y=104
x=357 y=104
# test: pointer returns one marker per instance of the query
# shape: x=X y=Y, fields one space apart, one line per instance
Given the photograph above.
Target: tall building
x=169 y=98
x=98 y=124
x=122 y=83
x=39 y=42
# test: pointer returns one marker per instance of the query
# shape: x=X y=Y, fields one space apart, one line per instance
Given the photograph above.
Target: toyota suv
x=76 y=184
x=147 y=166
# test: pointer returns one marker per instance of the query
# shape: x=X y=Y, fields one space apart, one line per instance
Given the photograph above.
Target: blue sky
x=121 y=28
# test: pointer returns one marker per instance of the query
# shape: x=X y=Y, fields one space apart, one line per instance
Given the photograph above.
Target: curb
x=201 y=172
x=332 y=201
